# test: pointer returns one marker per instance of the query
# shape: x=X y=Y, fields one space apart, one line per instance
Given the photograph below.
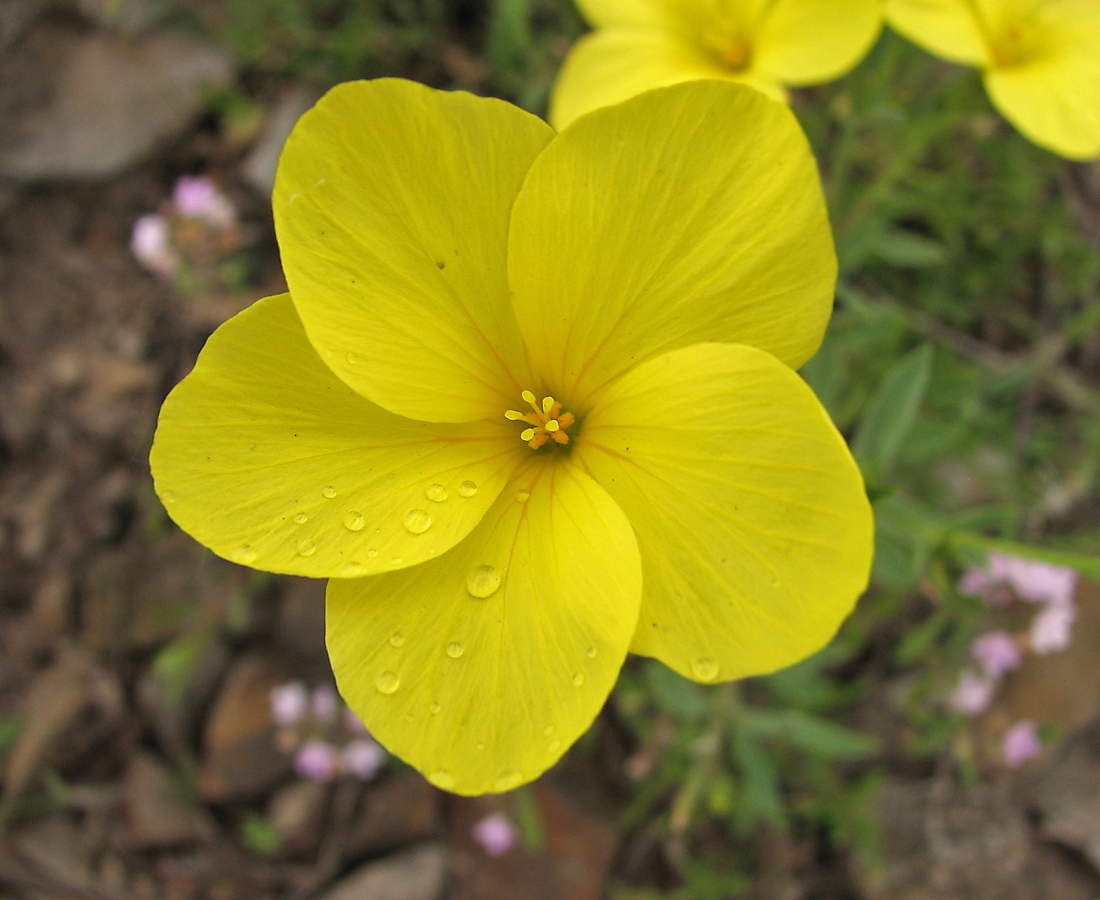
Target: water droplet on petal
x=434 y=708
x=168 y=496
x=455 y=649
x=483 y=581
x=301 y=519
x=441 y=778
x=353 y=521
x=397 y=639
x=328 y=492
x=547 y=731
x=705 y=668
x=371 y=554
x=554 y=747
x=436 y=493
x=776 y=583
x=590 y=652
x=506 y=781
x=467 y=488
x=522 y=496
x=408 y=717
x=578 y=679
x=352 y=570
x=306 y=547
x=352 y=358
x=396 y=561
x=417 y=521
x=480 y=745
x=244 y=555
x=387 y=682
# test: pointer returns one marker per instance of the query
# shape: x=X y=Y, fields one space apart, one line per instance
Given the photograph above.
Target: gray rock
x=416 y=874
x=259 y=167
x=16 y=16
x=1068 y=795
x=110 y=103
x=125 y=16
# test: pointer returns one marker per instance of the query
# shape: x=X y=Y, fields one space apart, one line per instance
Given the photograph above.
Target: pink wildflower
x=150 y=244
x=997 y=652
x=316 y=760
x=973 y=693
x=199 y=198
x=363 y=758
x=1020 y=743
x=496 y=834
x=288 y=703
x=1052 y=628
x=1032 y=580
x=323 y=704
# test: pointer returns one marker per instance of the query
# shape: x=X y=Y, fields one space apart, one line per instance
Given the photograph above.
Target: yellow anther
x=547 y=421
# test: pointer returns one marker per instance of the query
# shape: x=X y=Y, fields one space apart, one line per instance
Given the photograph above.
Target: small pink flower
x=973 y=693
x=997 y=652
x=288 y=703
x=1032 y=580
x=1020 y=743
x=317 y=761
x=496 y=834
x=323 y=704
x=199 y=198
x=151 y=245
x=975 y=582
x=1052 y=628
x=363 y=758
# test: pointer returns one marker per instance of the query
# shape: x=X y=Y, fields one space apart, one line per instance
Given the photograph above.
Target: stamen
x=547 y=421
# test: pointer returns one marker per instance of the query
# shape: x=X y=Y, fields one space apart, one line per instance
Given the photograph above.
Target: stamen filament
x=547 y=421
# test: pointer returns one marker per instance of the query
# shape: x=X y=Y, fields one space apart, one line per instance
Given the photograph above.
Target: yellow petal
x=624 y=12
x=752 y=521
x=265 y=457
x=391 y=208
x=947 y=28
x=482 y=667
x=1054 y=97
x=613 y=64
x=686 y=214
x=812 y=41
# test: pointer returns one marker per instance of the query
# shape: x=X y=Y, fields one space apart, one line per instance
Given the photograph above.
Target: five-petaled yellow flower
x=643 y=44
x=531 y=403
x=1040 y=60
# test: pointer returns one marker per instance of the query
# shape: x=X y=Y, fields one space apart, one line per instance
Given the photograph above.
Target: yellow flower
x=643 y=44
x=530 y=404
x=1040 y=60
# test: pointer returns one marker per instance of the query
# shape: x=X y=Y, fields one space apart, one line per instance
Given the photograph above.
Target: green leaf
x=909 y=250
x=828 y=740
x=674 y=694
x=760 y=780
x=891 y=412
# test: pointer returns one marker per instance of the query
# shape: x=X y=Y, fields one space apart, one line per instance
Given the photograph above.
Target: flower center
x=729 y=46
x=1015 y=45
x=548 y=422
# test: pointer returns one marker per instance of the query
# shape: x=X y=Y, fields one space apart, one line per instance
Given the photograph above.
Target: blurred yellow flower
x=1040 y=60
x=643 y=44
x=529 y=408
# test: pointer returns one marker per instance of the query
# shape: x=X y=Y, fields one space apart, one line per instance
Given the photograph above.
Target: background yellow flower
x=447 y=254
x=643 y=44
x=1040 y=60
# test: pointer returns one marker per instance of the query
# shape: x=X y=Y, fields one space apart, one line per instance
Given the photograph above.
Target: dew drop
x=436 y=493
x=417 y=521
x=352 y=358
x=353 y=521
x=553 y=747
x=168 y=496
x=578 y=679
x=328 y=492
x=396 y=561
x=547 y=731
x=467 y=488
x=306 y=547
x=387 y=682
x=483 y=581
x=397 y=639
x=590 y=652
x=301 y=519
x=408 y=717
x=705 y=668
x=523 y=496
x=480 y=745
x=455 y=649
x=776 y=583
x=371 y=554
x=244 y=555
x=352 y=570
x=434 y=709
x=506 y=781
x=441 y=778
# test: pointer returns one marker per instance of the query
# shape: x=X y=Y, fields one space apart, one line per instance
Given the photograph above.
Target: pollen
x=547 y=421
